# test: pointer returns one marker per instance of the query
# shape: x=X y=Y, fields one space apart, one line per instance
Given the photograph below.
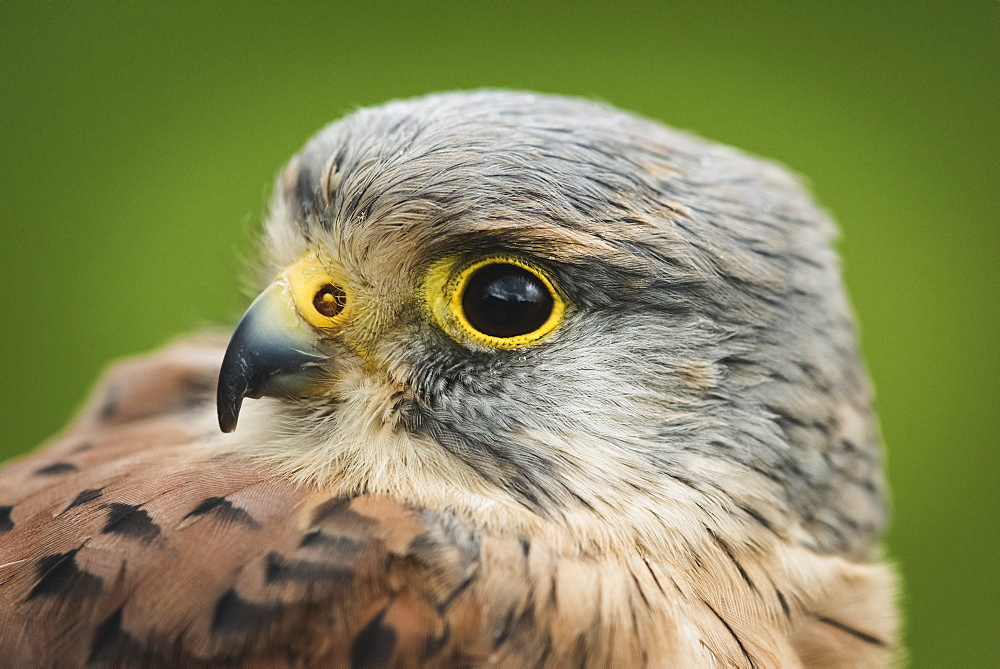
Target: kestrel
x=533 y=382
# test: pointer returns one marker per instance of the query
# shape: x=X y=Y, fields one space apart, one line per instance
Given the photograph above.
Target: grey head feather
x=707 y=328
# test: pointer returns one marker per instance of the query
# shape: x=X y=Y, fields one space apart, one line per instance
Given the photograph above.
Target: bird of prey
x=531 y=381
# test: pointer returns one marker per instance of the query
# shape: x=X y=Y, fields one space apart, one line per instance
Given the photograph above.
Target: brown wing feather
x=129 y=542
x=125 y=543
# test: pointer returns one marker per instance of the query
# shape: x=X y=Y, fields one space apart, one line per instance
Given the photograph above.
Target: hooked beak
x=273 y=352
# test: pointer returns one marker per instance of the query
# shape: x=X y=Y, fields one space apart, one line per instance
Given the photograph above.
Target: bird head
x=559 y=307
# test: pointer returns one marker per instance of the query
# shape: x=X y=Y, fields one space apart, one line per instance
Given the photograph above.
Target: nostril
x=330 y=300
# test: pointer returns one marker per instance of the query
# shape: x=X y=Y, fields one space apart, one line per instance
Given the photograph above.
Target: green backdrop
x=139 y=144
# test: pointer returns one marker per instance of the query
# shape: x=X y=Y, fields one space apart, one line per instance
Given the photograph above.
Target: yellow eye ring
x=497 y=302
x=320 y=298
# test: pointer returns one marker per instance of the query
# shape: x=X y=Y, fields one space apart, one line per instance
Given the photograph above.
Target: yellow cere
x=445 y=284
x=306 y=278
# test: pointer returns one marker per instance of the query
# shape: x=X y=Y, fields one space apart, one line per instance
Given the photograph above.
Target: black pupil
x=503 y=300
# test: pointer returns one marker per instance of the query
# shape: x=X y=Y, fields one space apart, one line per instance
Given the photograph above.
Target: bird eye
x=503 y=300
x=497 y=302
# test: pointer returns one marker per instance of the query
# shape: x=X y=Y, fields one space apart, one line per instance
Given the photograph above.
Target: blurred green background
x=139 y=144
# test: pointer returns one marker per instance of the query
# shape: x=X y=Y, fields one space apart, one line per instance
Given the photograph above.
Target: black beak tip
x=231 y=391
x=228 y=415
x=263 y=359
x=227 y=403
